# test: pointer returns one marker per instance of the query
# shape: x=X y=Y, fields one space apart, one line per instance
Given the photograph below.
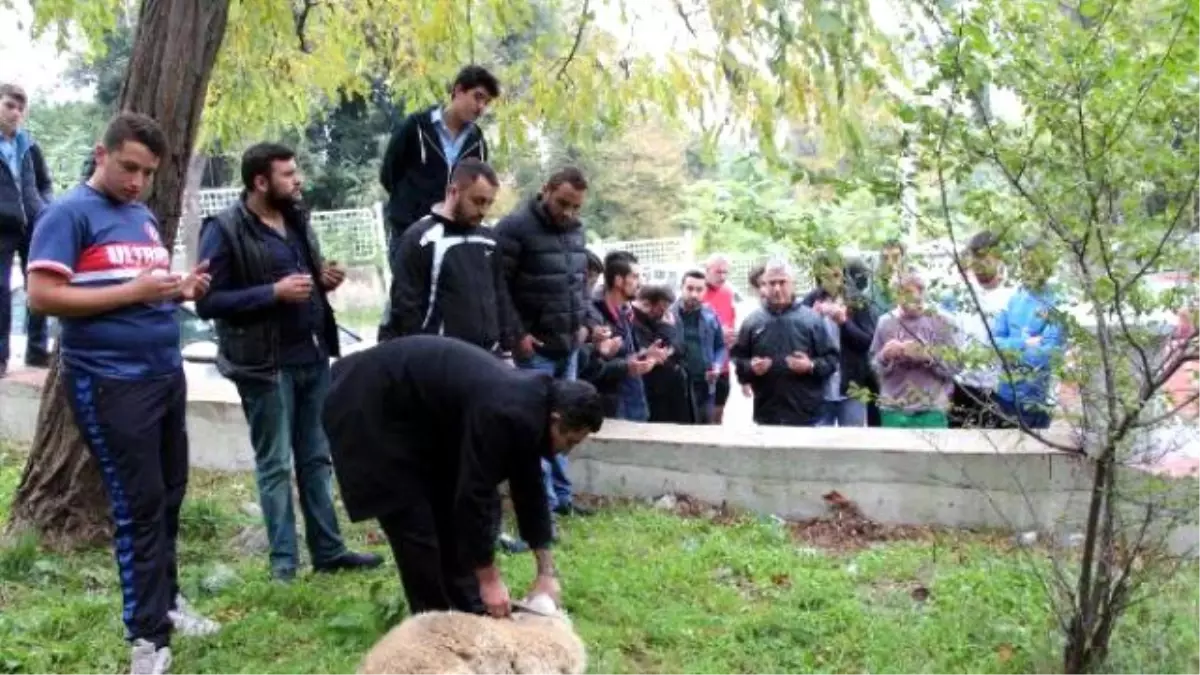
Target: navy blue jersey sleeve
x=58 y=240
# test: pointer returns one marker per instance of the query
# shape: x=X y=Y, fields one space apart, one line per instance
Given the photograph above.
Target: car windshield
x=194 y=329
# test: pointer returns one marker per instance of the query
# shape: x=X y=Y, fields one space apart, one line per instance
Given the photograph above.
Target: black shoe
x=574 y=509
x=350 y=561
x=37 y=360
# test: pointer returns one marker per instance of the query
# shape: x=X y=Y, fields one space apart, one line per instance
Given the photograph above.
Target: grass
x=649 y=592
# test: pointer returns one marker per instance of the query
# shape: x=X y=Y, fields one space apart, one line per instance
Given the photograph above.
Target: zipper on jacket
x=574 y=329
x=18 y=186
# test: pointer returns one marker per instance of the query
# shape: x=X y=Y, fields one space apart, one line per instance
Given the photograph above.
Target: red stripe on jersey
x=119 y=256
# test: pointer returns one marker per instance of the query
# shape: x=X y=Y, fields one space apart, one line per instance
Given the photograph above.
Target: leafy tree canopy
x=752 y=63
x=279 y=60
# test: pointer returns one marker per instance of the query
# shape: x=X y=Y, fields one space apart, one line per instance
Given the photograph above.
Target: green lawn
x=649 y=592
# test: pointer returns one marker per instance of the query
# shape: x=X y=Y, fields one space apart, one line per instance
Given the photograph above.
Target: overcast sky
x=654 y=28
x=37 y=66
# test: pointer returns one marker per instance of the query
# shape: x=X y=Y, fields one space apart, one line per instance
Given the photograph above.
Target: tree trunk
x=60 y=496
x=173 y=56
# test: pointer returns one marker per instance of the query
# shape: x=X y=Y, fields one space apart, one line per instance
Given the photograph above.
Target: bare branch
x=687 y=23
x=470 y=32
x=584 y=17
x=301 y=19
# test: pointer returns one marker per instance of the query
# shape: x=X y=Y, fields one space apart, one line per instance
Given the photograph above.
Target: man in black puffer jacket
x=545 y=261
x=545 y=264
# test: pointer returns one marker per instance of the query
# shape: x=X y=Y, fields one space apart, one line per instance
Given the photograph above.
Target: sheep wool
x=458 y=642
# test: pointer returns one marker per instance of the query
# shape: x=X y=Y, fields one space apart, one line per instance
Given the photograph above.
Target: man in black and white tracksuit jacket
x=451 y=278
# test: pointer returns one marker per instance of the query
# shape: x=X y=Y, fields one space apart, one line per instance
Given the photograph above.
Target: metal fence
x=353 y=237
x=358 y=238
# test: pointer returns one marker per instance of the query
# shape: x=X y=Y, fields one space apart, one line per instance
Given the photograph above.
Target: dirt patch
x=844 y=528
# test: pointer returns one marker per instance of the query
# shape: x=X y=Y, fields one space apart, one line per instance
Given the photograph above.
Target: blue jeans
x=554 y=473
x=285 y=425
x=35 y=324
x=847 y=412
x=1033 y=415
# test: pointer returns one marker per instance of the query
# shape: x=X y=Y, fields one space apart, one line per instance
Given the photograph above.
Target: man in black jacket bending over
x=451 y=280
x=545 y=261
x=423 y=430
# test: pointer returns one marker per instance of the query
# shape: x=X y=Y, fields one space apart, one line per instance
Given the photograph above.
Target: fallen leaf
x=374 y=538
x=781 y=580
x=920 y=594
x=1004 y=652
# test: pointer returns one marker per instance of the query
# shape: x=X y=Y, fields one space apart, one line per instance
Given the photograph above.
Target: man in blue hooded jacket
x=21 y=202
x=1031 y=337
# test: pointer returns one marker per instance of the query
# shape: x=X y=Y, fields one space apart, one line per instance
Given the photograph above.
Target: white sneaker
x=146 y=660
x=188 y=622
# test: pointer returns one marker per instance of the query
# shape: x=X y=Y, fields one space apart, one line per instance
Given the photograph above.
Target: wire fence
x=353 y=237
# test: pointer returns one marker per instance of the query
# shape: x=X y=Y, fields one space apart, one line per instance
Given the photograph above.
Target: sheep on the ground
x=542 y=641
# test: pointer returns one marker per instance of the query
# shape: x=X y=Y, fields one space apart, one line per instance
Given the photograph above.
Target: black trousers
x=424 y=543
x=136 y=430
x=974 y=408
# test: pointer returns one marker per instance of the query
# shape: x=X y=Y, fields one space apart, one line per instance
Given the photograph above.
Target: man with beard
x=451 y=281
x=667 y=395
x=623 y=390
x=423 y=151
x=702 y=341
x=276 y=334
x=424 y=429
x=545 y=267
x=784 y=353
x=851 y=325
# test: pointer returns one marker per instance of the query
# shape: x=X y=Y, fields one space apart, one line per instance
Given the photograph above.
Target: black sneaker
x=512 y=545
x=350 y=561
x=37 y=360
x=574 y=509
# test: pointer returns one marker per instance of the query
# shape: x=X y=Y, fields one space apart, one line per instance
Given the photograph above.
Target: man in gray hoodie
x=21 y=202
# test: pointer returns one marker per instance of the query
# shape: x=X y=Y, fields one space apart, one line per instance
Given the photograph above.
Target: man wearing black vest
x=277 y=333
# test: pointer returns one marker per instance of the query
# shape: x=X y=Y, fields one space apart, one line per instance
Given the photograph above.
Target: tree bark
x=60 y=496
x=173 y=56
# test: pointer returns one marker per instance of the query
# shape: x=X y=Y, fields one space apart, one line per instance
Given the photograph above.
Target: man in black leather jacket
x=545 y=263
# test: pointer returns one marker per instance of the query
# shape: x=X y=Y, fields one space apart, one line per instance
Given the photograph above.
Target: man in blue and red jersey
x=97 y=263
